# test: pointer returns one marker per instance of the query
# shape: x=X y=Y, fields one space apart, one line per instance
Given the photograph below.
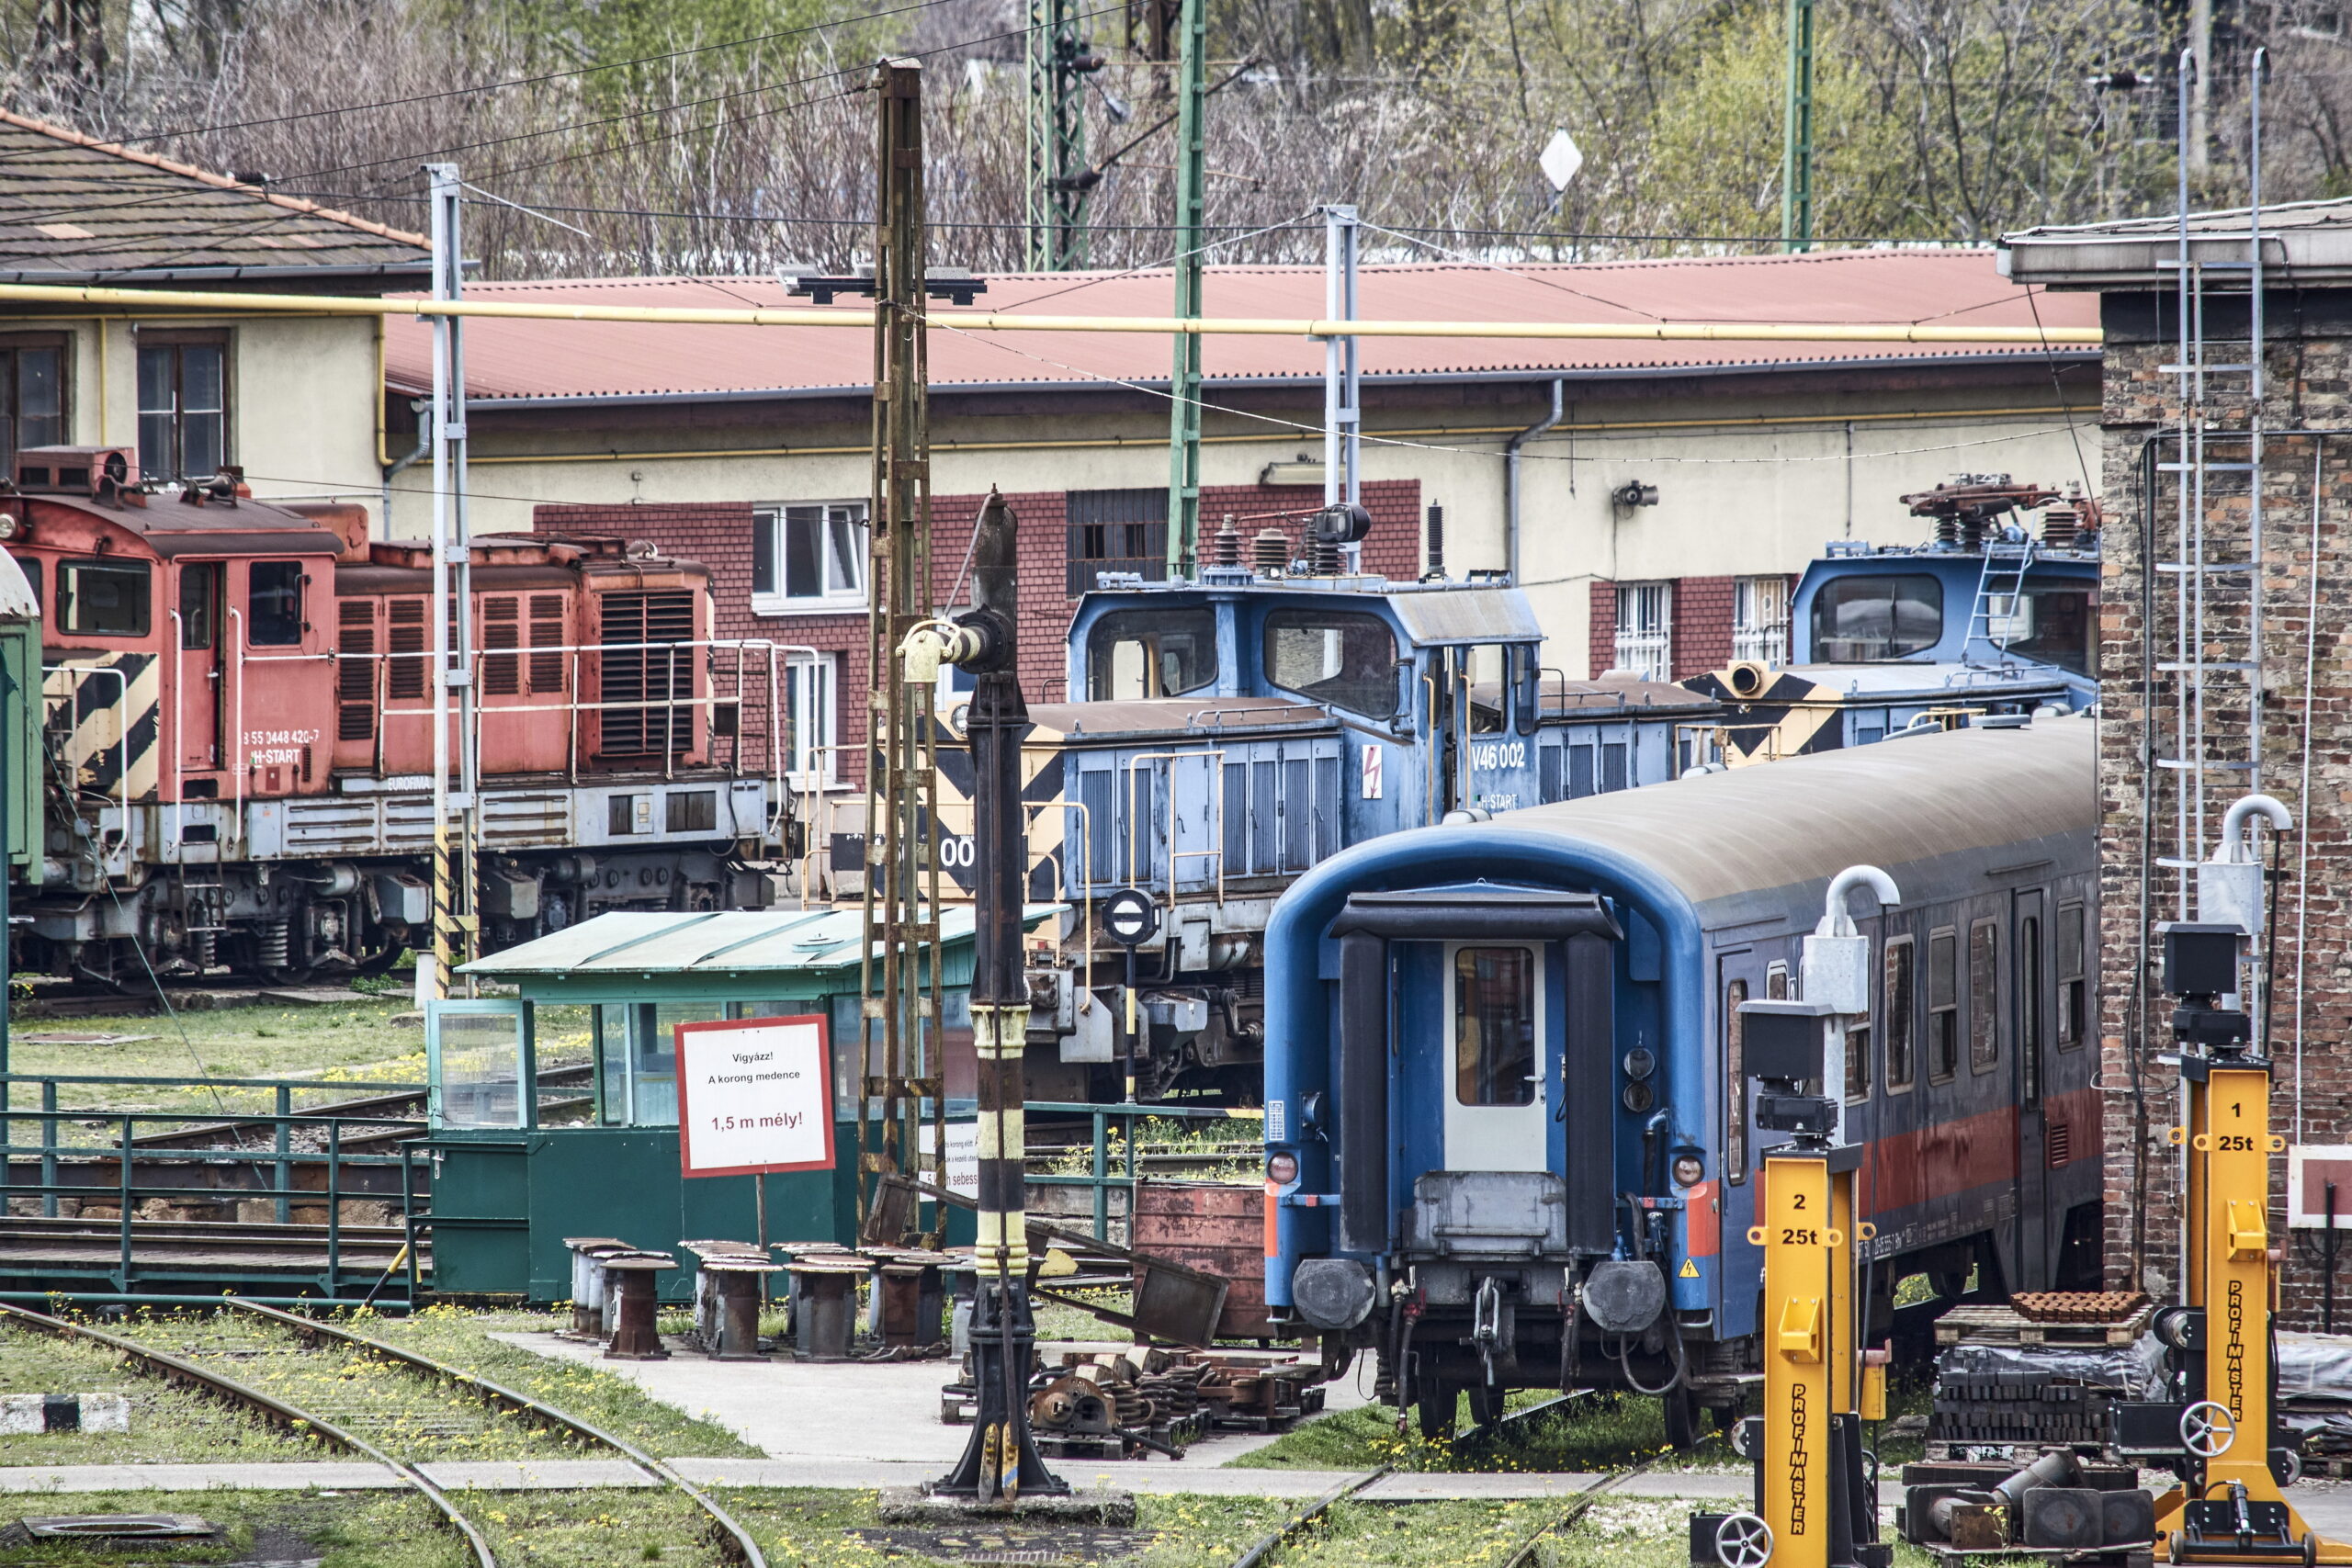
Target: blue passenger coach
x=1509 y=1141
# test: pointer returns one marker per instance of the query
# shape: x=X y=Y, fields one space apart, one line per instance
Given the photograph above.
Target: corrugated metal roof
x=513 y=359
x=632 y=941
x=74 y=207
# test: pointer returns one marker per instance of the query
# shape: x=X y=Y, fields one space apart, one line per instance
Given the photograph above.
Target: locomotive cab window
x=1943 y=1005
x=274 y=604
x=1333 y=656
x=1495 y=1060
x=2056 y=626
x=1983 y=995
x=1860 y=619
x=200 y=604
x=1150 y=653
x=104 y=598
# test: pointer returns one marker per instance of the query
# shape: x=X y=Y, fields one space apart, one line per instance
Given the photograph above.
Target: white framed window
x=1646 y=629
x=808 y=557
x=1760 y=620
x=811 y=719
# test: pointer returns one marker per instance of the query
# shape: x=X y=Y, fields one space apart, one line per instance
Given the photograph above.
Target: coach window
x=2073 y=995
x=183 y=405
x=1734 y=1083
x=1858 y=1062
x=1943 y=1005
x=1150 y=653
x=274 y=604
x=1494 y=1026
x=1334 y=656
x=1856 y=619
x=1899 y=1022
x=104 y=598
x=1983 y=995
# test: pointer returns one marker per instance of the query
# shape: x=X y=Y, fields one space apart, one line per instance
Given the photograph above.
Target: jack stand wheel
x=1682 y=1418
x=2311 y=1549
x=2207 y=1429
x=1743 y=1540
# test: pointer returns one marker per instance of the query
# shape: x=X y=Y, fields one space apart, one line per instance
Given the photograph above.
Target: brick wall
x=2311 y=382
x=1702 y=631
x=1604 y=633
x=720 y=535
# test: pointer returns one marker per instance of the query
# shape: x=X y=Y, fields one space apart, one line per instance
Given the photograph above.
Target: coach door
x=2030 y=983
x=195 y=701
x=1497 y=1105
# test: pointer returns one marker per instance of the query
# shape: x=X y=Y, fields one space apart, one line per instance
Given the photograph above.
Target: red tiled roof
x=590 y=360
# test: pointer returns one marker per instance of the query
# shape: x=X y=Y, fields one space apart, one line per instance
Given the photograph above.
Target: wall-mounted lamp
x=1632 y=492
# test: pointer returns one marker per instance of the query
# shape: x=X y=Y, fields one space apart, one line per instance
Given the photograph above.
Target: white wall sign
x=963 y=1155
x=755 y=1095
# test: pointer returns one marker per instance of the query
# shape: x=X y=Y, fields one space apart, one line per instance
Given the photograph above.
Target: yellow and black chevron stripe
x=95 y=722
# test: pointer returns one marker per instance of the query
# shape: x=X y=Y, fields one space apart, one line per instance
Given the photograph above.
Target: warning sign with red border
x=754 y=1094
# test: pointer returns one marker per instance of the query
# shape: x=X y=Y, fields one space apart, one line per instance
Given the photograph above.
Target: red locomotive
x=239 y=730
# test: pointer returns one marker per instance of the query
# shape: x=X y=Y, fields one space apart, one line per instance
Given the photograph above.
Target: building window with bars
x=1760 y=620
x=183 y=406
x=808 y=557
x=1115 y=530
x=811 y=721
x=1646 y=629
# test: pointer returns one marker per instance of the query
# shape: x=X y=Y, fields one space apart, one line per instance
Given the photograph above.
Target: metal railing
x=1099 y=1175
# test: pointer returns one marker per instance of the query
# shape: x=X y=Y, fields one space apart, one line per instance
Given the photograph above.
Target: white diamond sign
x=1561 y=159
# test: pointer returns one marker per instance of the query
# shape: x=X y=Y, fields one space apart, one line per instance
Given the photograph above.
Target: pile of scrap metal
x=2058 y=1503
x=1104 y=1402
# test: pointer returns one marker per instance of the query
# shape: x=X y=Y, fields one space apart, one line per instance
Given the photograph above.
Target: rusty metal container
x=1217 y=1227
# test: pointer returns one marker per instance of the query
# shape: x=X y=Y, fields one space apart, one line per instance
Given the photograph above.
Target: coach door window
x=1983 y=995
x=1897 y=1019
x=1734 y=1083
x=2030 y=1001
x=274 y=604
x=1494 y=1026
x=105 y=598
x=2073 y=997
x=1943 y=1005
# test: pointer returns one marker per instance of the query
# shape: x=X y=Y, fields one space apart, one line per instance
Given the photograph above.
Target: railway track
x=236 y=1353
x=1257 y=1553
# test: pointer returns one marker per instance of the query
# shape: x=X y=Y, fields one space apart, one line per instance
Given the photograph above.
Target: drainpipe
x=1510 y=480
x=422 y=410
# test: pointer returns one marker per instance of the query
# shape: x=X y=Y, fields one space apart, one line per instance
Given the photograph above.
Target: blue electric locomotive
x=1508 y=1141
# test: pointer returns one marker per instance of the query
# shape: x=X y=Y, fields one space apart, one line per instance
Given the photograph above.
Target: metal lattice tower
x=1796 y=129
x=2216 y=598
x=1060 y=180
x=899 y=983
x=1192 y=211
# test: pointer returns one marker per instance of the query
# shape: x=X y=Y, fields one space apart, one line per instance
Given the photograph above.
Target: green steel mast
x=1796 y=147
x=1192 y=201
x=1060 y=181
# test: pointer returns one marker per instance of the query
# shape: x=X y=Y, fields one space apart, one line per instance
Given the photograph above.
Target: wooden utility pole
x=899 y=984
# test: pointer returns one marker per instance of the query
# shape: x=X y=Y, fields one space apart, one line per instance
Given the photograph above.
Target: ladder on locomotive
x=2000 y=588
x=2216 y=591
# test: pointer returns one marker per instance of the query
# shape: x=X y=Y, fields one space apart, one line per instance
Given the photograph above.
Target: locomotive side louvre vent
x=2059 y=1144
x=407 y=676
x=355 y=680
x=501 y=628
x=644 y=680
x=548 y=632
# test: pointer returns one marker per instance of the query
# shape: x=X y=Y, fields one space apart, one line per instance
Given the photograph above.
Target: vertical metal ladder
x=1992 y=620
x=2213 y=757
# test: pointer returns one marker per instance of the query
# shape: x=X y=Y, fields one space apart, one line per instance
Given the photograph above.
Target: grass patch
x=463 y=1340
x=168 y=1424
x=1595 y=1433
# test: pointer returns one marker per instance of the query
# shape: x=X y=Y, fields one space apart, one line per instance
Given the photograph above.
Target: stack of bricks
x=2311 y=387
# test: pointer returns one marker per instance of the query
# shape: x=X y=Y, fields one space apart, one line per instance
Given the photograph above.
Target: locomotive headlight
x=1688 y=1170
x=10 y=526
x=1640 y=1063
x=1282 y=1168
x=1639 y=1097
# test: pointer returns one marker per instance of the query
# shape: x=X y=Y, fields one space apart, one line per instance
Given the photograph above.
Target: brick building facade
x=2301 y=750
x=722 y=535
x=1708 y=621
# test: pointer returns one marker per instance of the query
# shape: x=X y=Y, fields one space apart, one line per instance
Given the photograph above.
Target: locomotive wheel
x=1486 y=1403
x=1435 y=1410
x=1682 y=1418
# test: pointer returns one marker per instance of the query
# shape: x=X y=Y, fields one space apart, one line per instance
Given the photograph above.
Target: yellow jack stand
x=1815 y=1505
x=2230 y=1510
